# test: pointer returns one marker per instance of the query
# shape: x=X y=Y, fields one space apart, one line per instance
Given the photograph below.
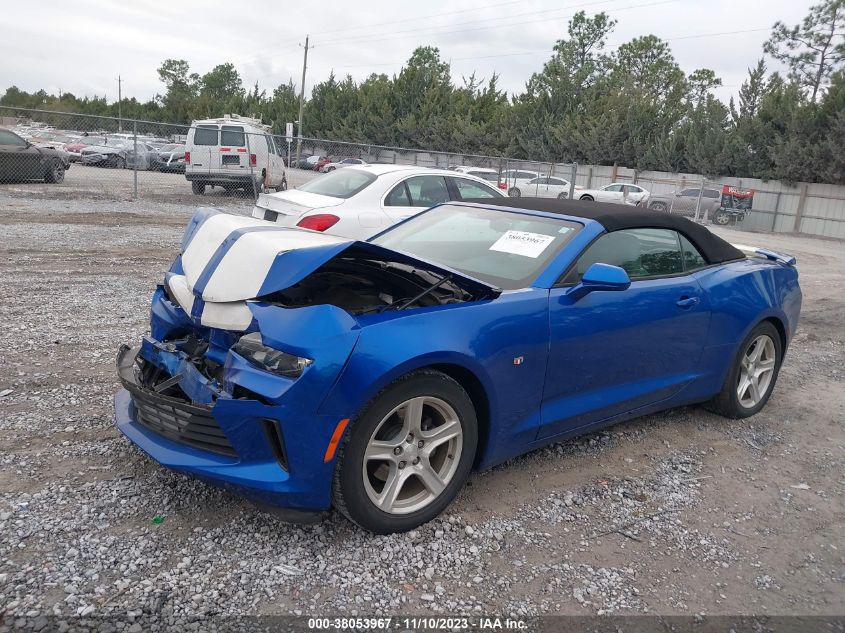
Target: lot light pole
x=301 y=102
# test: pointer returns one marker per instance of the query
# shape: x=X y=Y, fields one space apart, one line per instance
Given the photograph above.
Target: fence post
x=799 y=213
x=614 y=173
x=589 y=177
x=135 y=160
x=777 y=208
x=698 y=201
x=572 y=180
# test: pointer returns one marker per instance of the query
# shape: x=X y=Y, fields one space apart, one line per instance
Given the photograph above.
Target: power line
x=547 y=51
x=423 y=17
x=439 y=31
x=434 y=30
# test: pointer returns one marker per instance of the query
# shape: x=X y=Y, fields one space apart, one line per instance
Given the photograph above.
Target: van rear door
x=233 y=156
x=204 y=148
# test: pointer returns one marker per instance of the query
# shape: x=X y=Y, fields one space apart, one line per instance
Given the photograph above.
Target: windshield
x=341 y=183
x=502 y=248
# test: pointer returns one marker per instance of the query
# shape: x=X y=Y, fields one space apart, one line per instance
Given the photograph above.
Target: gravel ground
x=682 y=512
x=99 y=183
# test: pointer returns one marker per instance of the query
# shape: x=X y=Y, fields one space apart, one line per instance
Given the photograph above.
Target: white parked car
x=358 y=202
x=543 y=187
x=620 y=193
x=515 y=181
x=485 y=173
x=343 y=162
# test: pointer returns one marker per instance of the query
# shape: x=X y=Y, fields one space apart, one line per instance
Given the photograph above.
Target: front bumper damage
x=256 y=434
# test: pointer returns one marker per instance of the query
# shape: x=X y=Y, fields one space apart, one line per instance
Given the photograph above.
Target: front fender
x=503 y=343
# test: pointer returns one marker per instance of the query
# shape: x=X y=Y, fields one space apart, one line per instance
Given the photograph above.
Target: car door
x=412 y=195
x=18 y=159
x=558 y=187
x=536 y=187
x=611 y=193
x=631 y=194
x=615 y=352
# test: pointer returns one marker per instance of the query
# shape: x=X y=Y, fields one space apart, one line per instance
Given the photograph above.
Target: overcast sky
x=81 y=47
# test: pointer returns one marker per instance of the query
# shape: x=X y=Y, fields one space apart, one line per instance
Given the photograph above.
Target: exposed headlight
x=251 y=347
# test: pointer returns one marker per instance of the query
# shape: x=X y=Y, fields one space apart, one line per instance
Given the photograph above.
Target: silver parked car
x=684 y=202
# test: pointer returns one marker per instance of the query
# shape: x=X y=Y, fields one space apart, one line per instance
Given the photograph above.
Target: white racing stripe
x=240 y=274
x=233 y=315
x=178 y=287
x=205 y=241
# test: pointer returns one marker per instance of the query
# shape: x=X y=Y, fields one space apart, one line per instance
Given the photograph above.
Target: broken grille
x=181 y=423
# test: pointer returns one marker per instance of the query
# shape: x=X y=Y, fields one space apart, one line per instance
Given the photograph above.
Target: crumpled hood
x=229 y=258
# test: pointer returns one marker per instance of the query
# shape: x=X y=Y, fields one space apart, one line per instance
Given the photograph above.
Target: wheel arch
x=780 y=326
x=470 y=376
x=467 y=379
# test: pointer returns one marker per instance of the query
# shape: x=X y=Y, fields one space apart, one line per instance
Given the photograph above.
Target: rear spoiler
x=774 y=256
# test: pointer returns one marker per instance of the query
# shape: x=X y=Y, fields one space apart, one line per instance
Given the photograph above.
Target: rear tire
x=562 y=196
x=752 y=376
x=198 y=188
x=588 y=198
x=283 y=186
x=55 y=172
x=658 y=206
x=513 y=192
x=397 y=433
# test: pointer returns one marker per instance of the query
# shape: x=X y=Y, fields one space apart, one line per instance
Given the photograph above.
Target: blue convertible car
x=304 y=370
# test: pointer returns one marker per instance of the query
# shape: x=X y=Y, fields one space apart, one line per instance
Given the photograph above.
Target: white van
x=233 y=152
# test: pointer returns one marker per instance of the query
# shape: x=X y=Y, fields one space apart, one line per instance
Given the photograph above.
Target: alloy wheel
x=412 y=455
x=757 y=368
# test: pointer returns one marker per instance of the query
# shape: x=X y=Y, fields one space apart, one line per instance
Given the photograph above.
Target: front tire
x=752 y=376
x=407 y=455
x=588 y=198
x=198 y=187
x=658 y=206
x=283 y=186
x=562 y=196
x=513 y=192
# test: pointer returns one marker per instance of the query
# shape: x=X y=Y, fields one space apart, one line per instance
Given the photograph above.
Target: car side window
x=640 y=252
x=469 y=189
x=631 y=189
x=689 y=193
x=712 y=193
x=556 y=181
x=613 y=188
x=398 y=197
x=426 y=191
x=10 y=138
x=693 y=259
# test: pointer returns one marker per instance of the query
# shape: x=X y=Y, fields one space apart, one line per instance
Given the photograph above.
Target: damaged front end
x=249 y=331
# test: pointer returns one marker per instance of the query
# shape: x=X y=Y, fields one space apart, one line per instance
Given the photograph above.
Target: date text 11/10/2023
x=458 y=623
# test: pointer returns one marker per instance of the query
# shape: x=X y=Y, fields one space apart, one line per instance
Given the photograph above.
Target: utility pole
x=119 y=99
x=301 y=103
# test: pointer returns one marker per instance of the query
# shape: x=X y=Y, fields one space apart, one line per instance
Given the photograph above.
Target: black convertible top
x=615 y=217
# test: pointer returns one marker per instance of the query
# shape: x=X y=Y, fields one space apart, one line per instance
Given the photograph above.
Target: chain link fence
x=66 y=155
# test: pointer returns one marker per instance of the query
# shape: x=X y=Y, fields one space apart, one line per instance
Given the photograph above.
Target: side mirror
x=600 y=277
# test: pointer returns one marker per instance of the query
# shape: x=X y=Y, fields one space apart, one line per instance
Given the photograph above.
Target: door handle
x=687 y=302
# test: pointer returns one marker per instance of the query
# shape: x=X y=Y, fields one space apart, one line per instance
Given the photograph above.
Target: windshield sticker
x=522 y=243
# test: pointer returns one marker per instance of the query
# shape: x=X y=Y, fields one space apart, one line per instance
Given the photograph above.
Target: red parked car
x=322 y=162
